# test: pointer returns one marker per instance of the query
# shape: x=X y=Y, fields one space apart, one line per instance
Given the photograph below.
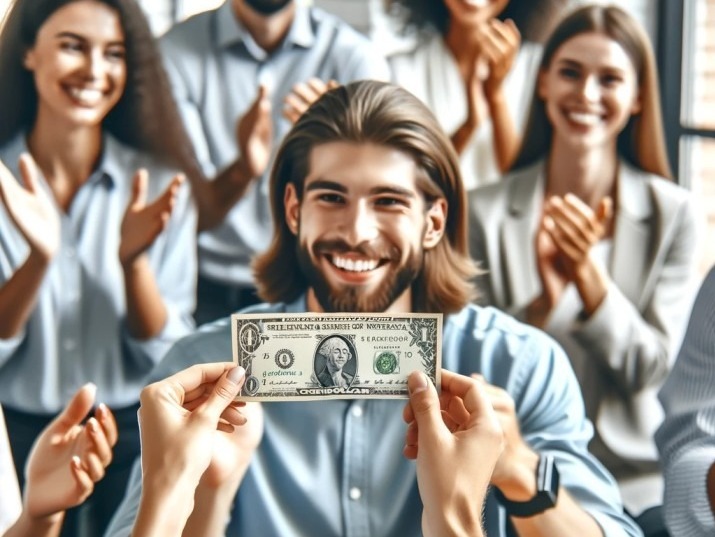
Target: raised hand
x=254 y=133
x=68 y=458
x=142 y=222
x=500 y=44
x=31 y=208
x=456 y=439
x=552 y=274
x=304 y=94
x=575 y=228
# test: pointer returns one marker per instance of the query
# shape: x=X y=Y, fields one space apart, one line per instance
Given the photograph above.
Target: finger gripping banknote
x=310 y=356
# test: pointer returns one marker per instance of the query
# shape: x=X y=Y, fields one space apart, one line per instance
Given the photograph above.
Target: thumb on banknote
x=424 y=402
x=225 y=391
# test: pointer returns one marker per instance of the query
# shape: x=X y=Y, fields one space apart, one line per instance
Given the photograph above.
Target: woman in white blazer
x=589 y=239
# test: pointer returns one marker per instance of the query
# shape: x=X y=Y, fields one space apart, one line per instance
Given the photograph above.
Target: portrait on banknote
x=335 y=361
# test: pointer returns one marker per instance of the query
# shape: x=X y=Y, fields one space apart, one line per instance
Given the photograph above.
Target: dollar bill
x=310 y=356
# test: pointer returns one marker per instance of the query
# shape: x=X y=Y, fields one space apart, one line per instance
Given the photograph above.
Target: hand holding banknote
x=458 y=426
x=193 y=434
x=307 y=356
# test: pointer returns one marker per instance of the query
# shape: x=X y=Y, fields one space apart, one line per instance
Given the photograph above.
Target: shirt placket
x=69 y=305
x=355 y=492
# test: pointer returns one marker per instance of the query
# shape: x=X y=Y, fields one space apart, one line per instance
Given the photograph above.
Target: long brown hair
x=383 y=114
x=146 y=117
x=642 y=142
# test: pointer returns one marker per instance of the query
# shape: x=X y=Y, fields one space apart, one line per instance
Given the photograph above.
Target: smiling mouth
x=85 y=96
x=587 y=119
x=354 y=265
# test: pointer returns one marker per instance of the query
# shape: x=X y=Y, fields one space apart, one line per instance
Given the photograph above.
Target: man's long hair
x=385 y=115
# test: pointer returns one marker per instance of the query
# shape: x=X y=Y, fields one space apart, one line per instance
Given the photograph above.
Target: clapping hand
x=304 y=94
x=68 y=458
x=31 y=208
x=142 y=222
x=254 y=133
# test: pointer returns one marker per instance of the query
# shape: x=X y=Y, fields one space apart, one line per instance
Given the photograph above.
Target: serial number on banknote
x=310 y=356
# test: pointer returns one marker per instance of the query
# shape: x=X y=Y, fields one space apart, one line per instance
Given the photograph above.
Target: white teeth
x=478 y=3
x=584 y=118
x=86 y=96
x=352 y=265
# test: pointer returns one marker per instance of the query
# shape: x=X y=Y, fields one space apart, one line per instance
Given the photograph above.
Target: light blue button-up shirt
x=77 y=332
x=215 y=68
x=335 y=468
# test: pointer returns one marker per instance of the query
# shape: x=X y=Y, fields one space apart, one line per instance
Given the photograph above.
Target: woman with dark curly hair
x=472 y=69
x=97 y=230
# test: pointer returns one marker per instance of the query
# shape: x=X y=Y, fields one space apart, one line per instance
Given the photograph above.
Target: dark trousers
x=94 y=515
x=216 y=300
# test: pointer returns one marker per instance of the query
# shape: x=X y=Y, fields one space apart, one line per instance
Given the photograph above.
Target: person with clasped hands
x=589 y=239
x=369 y=213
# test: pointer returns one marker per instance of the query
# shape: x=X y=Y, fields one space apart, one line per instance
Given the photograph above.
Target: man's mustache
x=373 y=249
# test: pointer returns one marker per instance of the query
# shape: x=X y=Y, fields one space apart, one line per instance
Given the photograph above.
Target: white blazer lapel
x=517 y=239
x=632 y=234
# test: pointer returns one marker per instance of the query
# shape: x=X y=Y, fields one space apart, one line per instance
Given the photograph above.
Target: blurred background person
x=474 y=65
x=97 y=233
x=241 y=74
x=589 y=239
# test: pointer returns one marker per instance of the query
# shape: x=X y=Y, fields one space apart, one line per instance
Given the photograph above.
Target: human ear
x=28 y=59
x=436 y=223
x=541 y=90
x=292 y=208
x=637 y=103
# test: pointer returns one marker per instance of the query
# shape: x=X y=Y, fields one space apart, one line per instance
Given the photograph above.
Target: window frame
x=670 y=58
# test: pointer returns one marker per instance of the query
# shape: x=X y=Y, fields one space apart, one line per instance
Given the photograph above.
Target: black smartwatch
x=547 y=491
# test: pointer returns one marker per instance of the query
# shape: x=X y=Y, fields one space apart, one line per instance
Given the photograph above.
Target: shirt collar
x=107 y=171
x=111 y=167
x=299 y=305
x=230 y=31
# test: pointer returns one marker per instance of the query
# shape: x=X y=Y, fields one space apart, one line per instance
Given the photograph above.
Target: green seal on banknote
x=386 y=363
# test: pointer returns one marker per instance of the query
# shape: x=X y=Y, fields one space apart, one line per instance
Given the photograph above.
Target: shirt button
x=357 y=411
x=70 y=253
x=69 y=344
x=355 y=493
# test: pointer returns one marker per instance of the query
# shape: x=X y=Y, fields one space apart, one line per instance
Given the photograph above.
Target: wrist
x=241 y=171
x=591 y=283
x=133 y=264
x=520 y=484
x=165 y=503
x=40 y=259
x=38 y=525
x=494 y=95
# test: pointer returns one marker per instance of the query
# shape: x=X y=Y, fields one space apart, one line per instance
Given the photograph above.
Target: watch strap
x=547 y=490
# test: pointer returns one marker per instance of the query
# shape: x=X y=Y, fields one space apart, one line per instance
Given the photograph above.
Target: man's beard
x=354 y=298
x=267 y=7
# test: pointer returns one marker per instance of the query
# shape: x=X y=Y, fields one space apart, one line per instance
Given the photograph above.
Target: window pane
x=699 y=64
x=697 y=170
